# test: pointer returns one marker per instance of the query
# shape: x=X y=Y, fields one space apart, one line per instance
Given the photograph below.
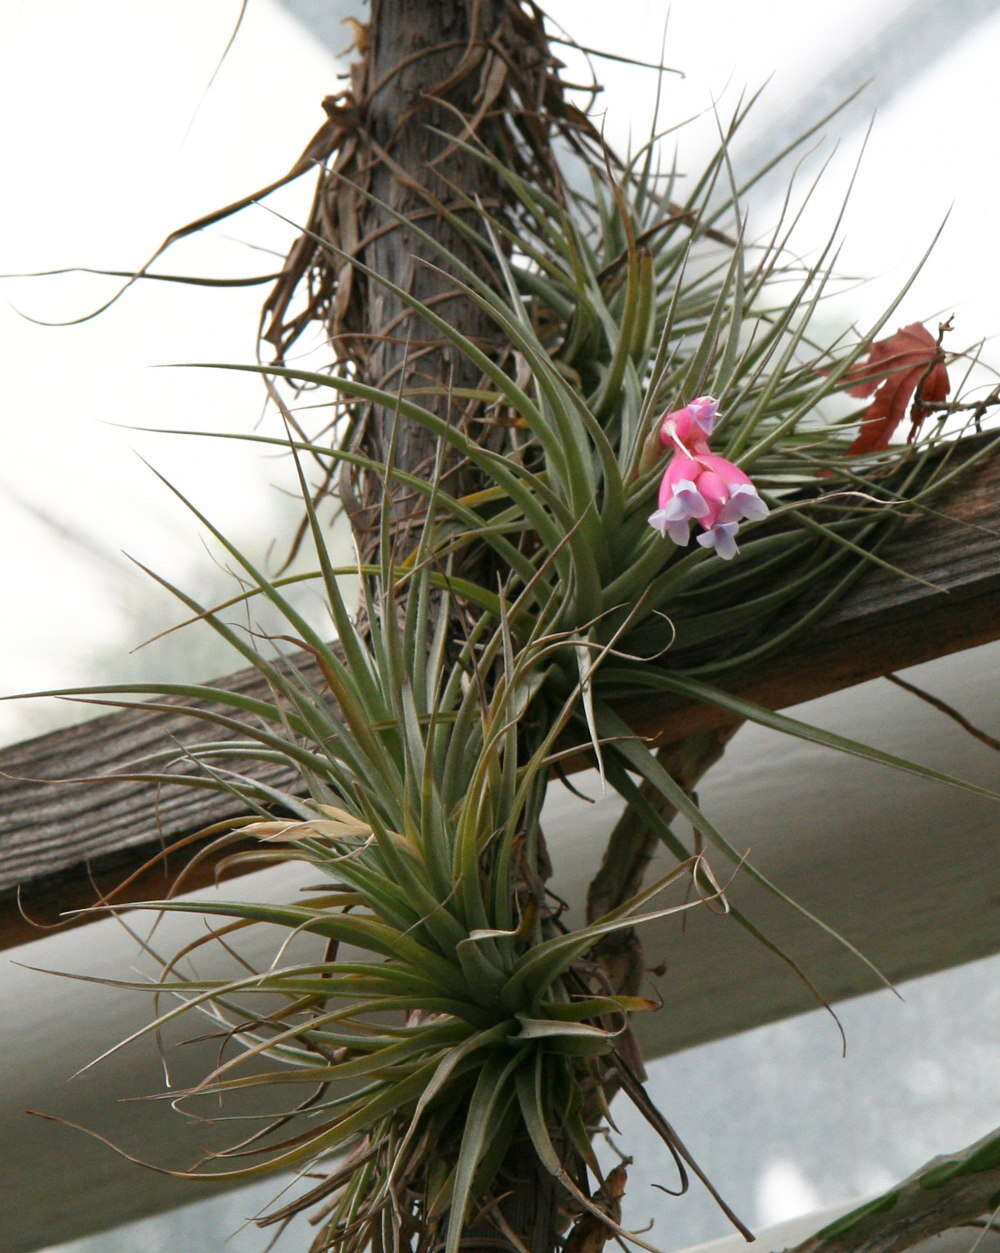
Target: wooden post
x=426 y=63
x=427 y=78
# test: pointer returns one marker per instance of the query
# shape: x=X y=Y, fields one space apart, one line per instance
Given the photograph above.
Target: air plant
x=451 y=1026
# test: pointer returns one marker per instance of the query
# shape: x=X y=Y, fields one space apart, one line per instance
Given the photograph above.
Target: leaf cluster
x=450 y=1015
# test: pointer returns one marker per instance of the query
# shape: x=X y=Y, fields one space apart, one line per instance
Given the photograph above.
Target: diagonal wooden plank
x=53 y=839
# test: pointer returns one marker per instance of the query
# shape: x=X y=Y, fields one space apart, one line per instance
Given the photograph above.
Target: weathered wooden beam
x=62 y=844
x=56 y=841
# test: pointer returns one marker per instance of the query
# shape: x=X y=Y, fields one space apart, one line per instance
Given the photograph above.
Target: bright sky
x=117 y=143
x=117 y=138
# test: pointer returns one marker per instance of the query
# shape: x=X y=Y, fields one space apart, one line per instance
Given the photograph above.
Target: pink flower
x=685 y=428
x=698 y=486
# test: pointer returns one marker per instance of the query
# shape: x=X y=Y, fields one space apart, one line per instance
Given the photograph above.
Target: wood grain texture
x=53 y=838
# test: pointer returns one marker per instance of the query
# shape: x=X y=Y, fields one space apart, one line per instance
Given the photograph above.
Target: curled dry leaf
x=896 y=368
x=337 y=824
x=590 y=1235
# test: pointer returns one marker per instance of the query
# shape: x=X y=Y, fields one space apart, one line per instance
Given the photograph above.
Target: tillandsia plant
x=457 y=1040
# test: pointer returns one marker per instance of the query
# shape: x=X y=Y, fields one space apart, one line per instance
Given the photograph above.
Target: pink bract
x=700 y=486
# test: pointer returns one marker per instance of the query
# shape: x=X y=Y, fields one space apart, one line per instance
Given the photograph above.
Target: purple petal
x=751 y=505
x=685 y=502
x=704 y=410
x=743 y=502
x=721 y=537
x=679 y=530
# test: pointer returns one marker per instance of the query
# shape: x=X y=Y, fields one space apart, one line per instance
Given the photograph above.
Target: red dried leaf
x=893 y=372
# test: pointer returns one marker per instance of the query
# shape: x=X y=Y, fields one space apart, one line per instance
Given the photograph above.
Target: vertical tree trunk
x=428 y=61
x=429 y=68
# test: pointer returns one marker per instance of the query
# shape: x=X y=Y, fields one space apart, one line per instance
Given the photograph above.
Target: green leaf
x=490 y=1088
x=695 y=690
